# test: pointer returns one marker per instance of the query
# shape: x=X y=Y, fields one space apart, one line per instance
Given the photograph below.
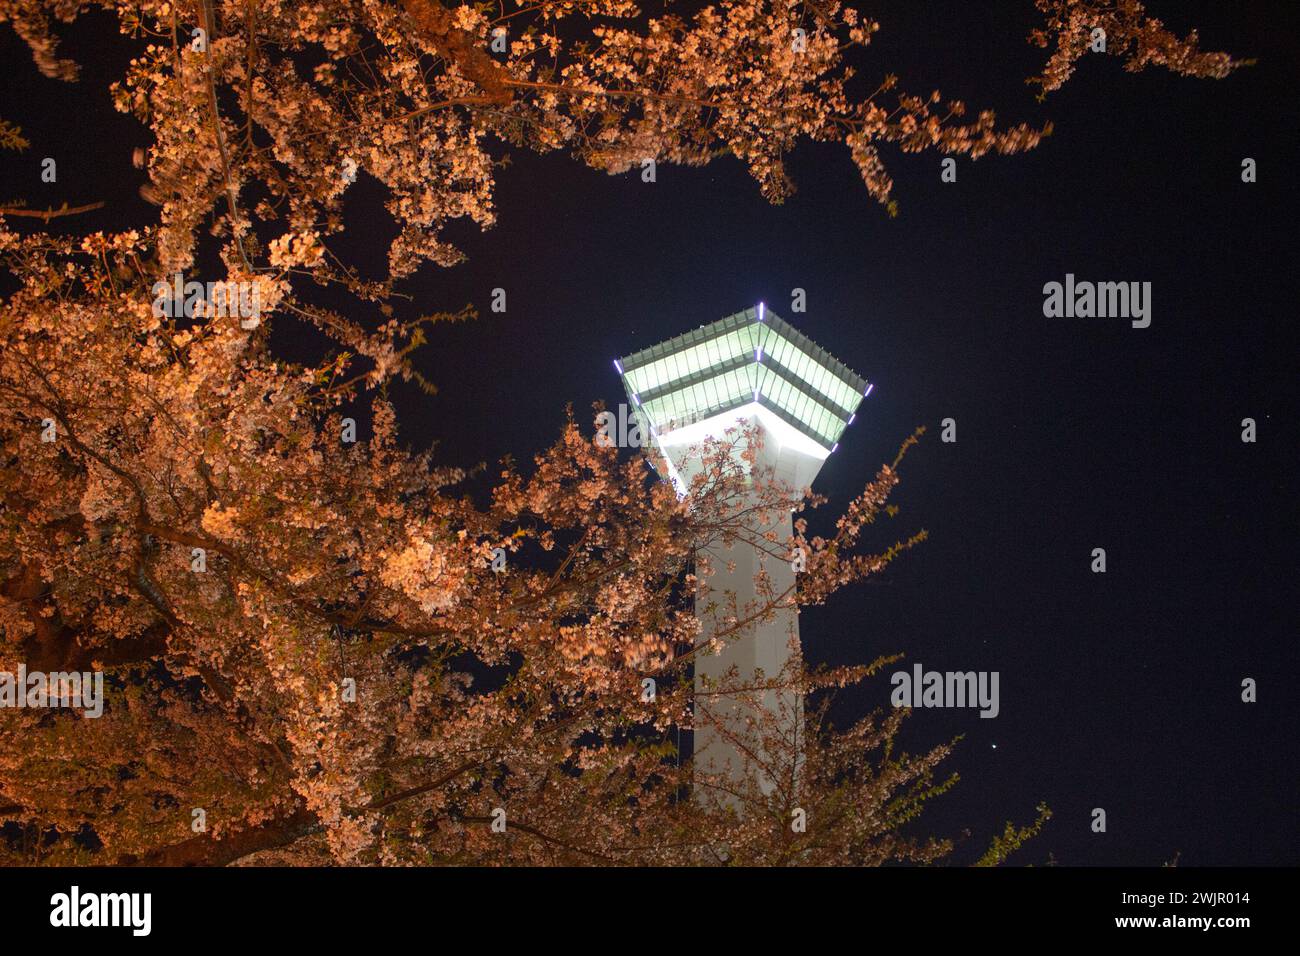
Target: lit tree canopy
x=306 y=637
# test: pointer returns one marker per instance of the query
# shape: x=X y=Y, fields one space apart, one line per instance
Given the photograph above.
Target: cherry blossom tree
x=314 y=650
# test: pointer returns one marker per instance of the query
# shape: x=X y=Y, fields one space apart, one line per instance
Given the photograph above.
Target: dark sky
x=1119 y=691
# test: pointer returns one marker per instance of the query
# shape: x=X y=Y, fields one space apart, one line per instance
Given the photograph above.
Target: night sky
x=1120 y=691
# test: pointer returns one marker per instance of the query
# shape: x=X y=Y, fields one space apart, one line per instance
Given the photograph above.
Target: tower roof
x=751 y=357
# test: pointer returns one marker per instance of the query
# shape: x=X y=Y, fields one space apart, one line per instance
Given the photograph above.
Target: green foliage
x=1013 y=838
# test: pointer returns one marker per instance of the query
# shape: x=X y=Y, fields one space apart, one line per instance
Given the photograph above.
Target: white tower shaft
x=750 y=735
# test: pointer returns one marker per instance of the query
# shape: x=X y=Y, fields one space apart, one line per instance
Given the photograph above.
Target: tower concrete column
x=743 y=746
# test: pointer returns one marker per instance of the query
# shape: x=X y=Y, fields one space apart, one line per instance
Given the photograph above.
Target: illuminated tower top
x=751 y=366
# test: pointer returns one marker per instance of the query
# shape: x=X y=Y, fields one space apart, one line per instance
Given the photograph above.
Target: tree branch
x=435 y=24
x=204 y=850
x=49 y=214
